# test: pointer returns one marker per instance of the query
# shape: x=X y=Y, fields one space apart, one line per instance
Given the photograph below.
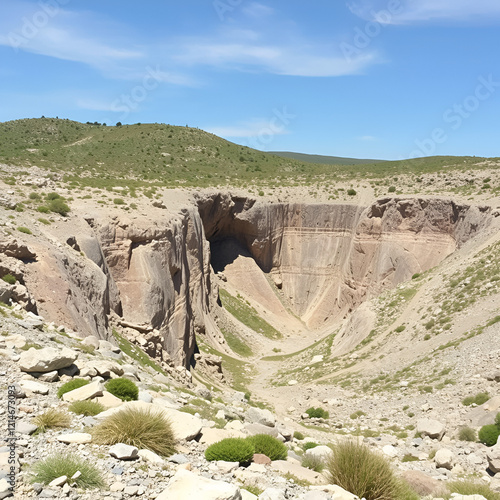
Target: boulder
x=124 y=452
x=150 y=456
x=46 y=377
x=272 y=494
x=432 y=428
x=258 y=416
x=11 y=248
x=211 y=435
x=88 y=391
x=254 y=429
x=319 y=452
x=91 y=341
x=493 y=456
x=34 y=387
x=444 y=459
x=46 y=360
x=5 y=489
x=5 y=292
x=186 y=484
x=108 y=400
x=423 y=484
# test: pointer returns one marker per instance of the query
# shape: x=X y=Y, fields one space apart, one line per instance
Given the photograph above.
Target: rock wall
x=329 y=258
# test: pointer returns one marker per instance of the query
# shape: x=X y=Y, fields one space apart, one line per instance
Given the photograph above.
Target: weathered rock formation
x=152 y=274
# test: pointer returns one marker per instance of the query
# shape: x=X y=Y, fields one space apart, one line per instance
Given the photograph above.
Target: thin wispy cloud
x=247 y=129
x=419 y=11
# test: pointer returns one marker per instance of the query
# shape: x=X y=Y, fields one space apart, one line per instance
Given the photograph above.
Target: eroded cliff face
x=152 y=274
x=329 y=258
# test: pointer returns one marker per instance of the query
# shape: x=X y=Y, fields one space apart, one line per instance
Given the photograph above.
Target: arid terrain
x=373 y=297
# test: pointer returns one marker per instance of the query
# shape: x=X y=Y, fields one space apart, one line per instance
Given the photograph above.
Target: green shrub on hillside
x=317 y=413
x=231 y=450
x=488 y=434
x=478 y=399
x=8 y=278
x=269 y=446
x=123 y=388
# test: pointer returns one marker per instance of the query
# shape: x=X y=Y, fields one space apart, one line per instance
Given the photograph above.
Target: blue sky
x=361 y=78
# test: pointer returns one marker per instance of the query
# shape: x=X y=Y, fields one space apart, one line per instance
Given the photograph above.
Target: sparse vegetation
x=86 y=408
x=472 y=488
x=52 y=419
x=317 y=413
x=10 y=279
x=467 y=434
x=66 y=464
x=269 y=446
x=143 y=428
x=123 y=388
x=231 y=450
x=477 y=400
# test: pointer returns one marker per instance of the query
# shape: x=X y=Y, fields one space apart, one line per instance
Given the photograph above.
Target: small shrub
x=409 y=458
x=118 y=201
x=392 y=189
x=86 y=408
x=488 y=434
x=59 y=207
x=8 y=278
x=65 y=464
x=400 y=328
x=351 y=192
x=269 y=446
x=71 y=385
x=467 y=434
x=357 y=414
x=142 y=428
x=478 y=399
x=416 y=276
x=317 y=413
x=298 y=435
x=43 y=209
x=123 y=388
x=53 y=196
x=313 y=462
x=52 y=419
x=24 y=230
x=231 y=450
x=46 y=222
x=364 y=473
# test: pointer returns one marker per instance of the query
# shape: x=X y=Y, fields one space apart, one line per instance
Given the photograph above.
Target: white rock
x=91 y=341
x=75 y=437
x=108 y=400
x=58 y=481
x=432 y=428
x=47 y=359
x=444 y=458
x=258 y=416
x=34 y=387
x=187 y=485
x=317 y=359
x=124 y=451
x=390 y=451
x=149 y=456
x=272 y=494
x=320 y=452
x=88 y=391
x=227 y=467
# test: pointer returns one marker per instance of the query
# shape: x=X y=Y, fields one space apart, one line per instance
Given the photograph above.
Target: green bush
x=53 y=196
x=298 y=435
x=123 y=388
x=488 y=434
x=392 y=189
x=317 y=413
x=268 y=446
x=139 y=427
x=351 y=192
x=231 y=450
x=8 y=278
x=467 y=434
x=364 y=473
x=309 y=445
x=71 y=385
x=65 y=464
x=86 y=408
x=24 y=230
x=478 y=399
x=59 y=207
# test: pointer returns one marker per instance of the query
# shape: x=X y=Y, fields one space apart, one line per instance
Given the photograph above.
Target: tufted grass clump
x=86 y=408
x=269 y=446
x=76 y=383
x=364 y=473
x=472 y=488
x=313 y=462
x=65 y=464
x=139 y=427
x=317 y=413
x=479 y=399
x=298 y=435
x=10 y=279
x=123 y=388
x=52 y=419
x=231 y=450
x=467 y=434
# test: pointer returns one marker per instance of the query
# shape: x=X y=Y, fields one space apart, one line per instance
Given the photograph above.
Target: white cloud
x=414 y=11
x=250 y=128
